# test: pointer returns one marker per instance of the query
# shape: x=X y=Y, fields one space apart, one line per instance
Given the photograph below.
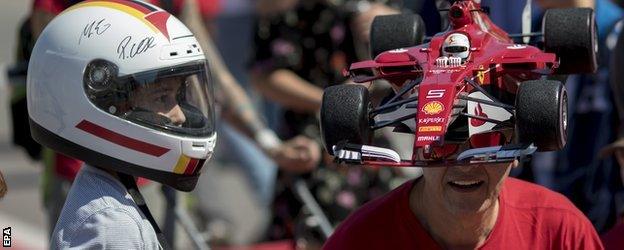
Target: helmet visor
x=455 y=49
x=177 y=99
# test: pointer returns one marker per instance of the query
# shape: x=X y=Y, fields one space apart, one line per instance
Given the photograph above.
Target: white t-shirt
x=99 y=213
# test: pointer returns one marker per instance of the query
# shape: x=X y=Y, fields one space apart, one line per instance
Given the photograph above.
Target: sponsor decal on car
x=481 y=77
x=433 y=108
x=430 y=129
x=478 y=112
x=428 y=138
x=435 y=93
x=431 y=120
x=475 y=108
x=444 y=71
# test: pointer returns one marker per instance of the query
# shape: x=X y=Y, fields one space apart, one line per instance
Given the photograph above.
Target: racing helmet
x=123 y=85
x=456 y=45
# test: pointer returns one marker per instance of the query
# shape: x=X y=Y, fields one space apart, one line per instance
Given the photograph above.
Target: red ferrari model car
x=469 y=94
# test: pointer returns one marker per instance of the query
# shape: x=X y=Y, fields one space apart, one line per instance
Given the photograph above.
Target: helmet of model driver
x=123 y=85
x=456 y=45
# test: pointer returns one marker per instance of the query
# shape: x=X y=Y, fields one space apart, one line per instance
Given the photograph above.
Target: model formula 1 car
x=470 y=95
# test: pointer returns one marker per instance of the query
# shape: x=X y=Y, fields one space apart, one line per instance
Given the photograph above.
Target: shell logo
x=433 y=108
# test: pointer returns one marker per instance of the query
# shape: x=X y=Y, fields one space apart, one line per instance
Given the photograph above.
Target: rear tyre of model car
x=542 y=114
x=572 y=35
x=396 y=31
x=344 y=115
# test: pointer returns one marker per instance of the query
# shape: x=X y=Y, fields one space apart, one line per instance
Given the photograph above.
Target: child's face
x=160 y=98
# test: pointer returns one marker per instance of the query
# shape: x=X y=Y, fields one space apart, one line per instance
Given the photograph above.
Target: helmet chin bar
x=146 y=116
x=192 y=114
x=180 y=182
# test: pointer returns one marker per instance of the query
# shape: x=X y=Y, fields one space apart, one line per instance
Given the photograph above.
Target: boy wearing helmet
x=125 y=87
x=297 y=155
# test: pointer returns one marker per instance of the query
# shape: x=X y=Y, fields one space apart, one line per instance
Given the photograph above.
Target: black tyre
x=542 y=114
x=396 y=31
x=572 y=35
x=344 y=115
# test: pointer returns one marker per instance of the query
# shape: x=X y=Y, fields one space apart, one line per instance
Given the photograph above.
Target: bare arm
x=294 y=92
x=297 y=155
x=236 y=102
x=290 y=90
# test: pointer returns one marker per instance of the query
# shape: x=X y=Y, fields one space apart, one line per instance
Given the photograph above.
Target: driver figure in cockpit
x=455 y=51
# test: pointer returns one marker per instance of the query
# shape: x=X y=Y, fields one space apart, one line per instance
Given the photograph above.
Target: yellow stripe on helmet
x=180 y=167
x=123 y=8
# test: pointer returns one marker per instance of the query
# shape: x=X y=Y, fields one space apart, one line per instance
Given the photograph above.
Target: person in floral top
x=302 y=47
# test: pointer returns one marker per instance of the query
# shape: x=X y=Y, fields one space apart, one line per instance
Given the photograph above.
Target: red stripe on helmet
x=135 y=5
x=159 y=20
x=190 y=167
x=121 y=140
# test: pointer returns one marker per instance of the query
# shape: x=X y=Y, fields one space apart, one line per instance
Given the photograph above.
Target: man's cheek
x=434 y=178
x=498 y=175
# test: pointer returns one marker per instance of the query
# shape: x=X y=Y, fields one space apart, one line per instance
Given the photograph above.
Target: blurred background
x=21 y=209
x=281 y=54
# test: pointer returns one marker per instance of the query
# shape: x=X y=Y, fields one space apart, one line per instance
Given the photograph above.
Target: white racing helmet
x=456 y=45
x=124 y=86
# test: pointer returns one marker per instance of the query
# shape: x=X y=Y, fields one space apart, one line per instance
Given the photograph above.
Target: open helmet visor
x=177 y=99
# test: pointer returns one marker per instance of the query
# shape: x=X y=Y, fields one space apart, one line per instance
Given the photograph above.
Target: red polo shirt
x=614 y=239
x=530 y=217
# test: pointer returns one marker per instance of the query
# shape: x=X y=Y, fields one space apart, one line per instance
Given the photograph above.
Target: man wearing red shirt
x=467 y=207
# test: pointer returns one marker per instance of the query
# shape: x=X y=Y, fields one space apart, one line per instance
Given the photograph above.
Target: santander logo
x=478 y=112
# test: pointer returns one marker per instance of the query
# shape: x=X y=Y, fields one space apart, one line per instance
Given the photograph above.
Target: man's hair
x=3 y=186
